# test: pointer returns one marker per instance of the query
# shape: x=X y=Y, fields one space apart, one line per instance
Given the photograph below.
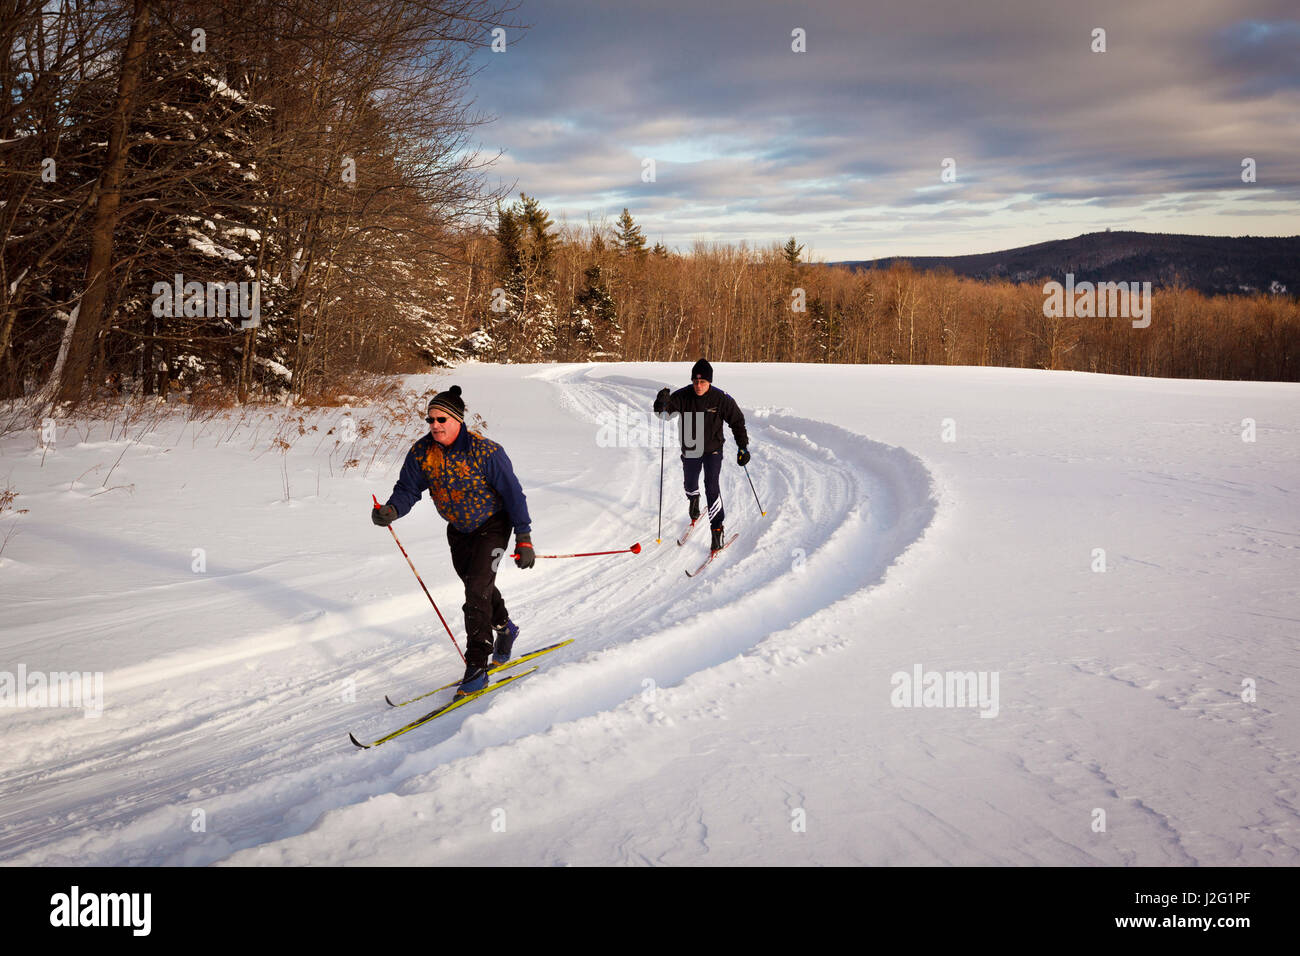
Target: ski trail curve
x=271 y=764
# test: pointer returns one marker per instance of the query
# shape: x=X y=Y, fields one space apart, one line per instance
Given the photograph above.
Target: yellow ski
x=495 y=668
x=442 y=710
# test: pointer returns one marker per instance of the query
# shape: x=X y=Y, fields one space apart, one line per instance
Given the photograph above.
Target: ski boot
x=695 y=507
x=504 y=641
x=717 y=539
x=475 y=679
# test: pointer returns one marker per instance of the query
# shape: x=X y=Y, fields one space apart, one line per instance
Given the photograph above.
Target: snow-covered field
x=1141 y=714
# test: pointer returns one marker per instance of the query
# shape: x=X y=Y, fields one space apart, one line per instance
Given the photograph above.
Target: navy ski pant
x=711 y=465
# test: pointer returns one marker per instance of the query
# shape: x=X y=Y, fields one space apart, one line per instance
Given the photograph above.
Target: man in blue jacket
x=473 y=486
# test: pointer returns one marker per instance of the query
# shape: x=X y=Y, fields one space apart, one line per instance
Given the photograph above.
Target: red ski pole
x=635 y=549
x=426 y=590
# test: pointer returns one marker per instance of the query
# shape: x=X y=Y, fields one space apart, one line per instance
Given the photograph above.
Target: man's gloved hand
x=661 y=398
x=524 y=550
x=742 y=457
x=383 y=516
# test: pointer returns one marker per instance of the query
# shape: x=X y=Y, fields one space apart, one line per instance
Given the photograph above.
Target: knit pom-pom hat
x=450 y=402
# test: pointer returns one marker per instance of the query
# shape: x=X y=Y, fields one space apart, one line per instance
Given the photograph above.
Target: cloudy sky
x=843 y=145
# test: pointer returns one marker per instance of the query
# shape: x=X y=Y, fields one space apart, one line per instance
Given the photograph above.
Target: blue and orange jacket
x=469 y=481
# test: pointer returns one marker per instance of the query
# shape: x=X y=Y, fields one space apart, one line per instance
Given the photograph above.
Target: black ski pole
x=751 y=488
x=660 y=538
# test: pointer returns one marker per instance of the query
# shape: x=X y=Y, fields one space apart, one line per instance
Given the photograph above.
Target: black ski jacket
x=702 y=418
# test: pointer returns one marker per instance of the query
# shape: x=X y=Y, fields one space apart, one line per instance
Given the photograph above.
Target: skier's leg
x=482 y=599
x=462 y=559
x=712 y=490
x=500 y=615
x=691 y=482
x=460 y=548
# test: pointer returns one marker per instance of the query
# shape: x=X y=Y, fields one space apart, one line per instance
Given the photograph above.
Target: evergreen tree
x=535 y=223
x=509 y=240
x=826 y=329
x=790 y=252
x=429 y=325
x=630 y=238
x=594 y=320
x=791 y=327
x=522 y=323
x=200 y=143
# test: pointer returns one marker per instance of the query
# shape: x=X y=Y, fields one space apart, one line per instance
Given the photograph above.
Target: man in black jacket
x=703 y=409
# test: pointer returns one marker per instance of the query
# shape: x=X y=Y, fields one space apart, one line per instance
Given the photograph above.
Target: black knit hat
x=450 y=402
x=702 y=369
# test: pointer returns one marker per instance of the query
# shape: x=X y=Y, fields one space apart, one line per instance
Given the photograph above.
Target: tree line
x=270 y=197
x=765 y=304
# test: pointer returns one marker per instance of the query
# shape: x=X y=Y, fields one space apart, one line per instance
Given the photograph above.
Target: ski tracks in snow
x=255 y=737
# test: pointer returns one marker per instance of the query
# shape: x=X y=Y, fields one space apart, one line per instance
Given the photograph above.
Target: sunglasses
x=441 y=420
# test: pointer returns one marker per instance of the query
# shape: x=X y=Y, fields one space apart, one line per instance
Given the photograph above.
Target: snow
x=222 y=89
x=695 y=721
x=274 y=366
x=205 y=245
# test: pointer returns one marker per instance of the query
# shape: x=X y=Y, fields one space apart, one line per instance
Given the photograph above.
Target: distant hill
x=1214 y=265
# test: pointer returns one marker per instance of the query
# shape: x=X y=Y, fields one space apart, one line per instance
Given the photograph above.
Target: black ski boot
x=717 y=539
x=695 y=507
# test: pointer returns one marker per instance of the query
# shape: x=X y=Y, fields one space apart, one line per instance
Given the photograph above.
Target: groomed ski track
x=252 y=730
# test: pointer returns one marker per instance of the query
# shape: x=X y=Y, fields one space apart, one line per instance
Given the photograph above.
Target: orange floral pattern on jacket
x=457 y=482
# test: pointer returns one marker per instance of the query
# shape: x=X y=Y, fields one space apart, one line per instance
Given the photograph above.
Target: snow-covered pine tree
x=204 y=226
x=433 y=333
x=521 y=323
x=594 y=326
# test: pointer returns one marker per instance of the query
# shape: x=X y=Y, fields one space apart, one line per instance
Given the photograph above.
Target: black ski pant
x=474 y=556
x=711 y=465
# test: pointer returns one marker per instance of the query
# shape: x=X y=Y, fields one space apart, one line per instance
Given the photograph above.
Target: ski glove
x=742 y=457
x=661 y=399
x=383 y=516
x=524 y=551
